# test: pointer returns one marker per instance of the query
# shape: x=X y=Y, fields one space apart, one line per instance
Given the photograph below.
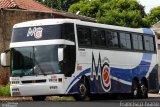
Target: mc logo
x=101 y=71
x=36 y=32
x=105 y=77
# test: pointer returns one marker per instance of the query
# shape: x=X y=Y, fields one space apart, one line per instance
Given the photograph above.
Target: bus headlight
x=15 y=82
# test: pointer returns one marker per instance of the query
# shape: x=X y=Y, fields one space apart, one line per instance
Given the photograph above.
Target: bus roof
x=43 y=22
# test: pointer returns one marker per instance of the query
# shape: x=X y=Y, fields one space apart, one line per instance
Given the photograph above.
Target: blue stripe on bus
x=147 y=57
x=124 y=74
x=148 y=31
x=140 y=70
x=78 y=76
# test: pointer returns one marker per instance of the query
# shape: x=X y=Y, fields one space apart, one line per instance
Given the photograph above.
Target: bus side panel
x=113 y=71
x=153 y=85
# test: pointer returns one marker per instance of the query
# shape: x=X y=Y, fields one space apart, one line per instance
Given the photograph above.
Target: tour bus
x=77 y=58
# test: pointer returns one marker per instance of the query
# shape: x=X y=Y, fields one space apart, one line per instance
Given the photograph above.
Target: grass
x=5 y=90
x=57 y=98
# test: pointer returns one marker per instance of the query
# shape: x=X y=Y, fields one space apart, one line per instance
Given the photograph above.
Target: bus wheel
x=83 y=91
x=135 y=89
x=144 y=90
x=38 y=98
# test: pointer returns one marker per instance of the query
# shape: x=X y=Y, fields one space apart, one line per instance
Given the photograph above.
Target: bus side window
x=125 y=40
x=84 y=36
x=112 y=38
x=98 y=36
x=109 y=38
x=149 y=43
x=68 y=31
x=102 y=38
x=95 y=36
x=137 y=42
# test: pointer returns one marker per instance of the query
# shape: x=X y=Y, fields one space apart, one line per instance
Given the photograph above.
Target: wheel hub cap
x=82 y=89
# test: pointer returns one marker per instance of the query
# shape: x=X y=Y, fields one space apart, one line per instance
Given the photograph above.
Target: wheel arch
x=86 y=80
x=135 y=79
x=144 y=79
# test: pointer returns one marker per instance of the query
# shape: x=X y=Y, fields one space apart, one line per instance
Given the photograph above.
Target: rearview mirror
x=3 y=59
x=60 y=54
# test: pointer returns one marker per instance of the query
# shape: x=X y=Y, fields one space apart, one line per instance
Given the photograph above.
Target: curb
x=52 y=98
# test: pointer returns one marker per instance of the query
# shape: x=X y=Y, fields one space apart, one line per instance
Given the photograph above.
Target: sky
x=149 y=4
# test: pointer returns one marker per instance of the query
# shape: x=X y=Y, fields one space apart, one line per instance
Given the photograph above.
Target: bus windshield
x=37 y=60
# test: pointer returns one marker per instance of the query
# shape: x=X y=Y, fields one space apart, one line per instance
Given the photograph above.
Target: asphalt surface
x=150 y=102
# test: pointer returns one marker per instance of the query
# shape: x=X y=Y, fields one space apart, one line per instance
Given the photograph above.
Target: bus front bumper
x=37 y=89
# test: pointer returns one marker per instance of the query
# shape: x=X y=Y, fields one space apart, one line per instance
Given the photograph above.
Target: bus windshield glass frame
x=37 y=60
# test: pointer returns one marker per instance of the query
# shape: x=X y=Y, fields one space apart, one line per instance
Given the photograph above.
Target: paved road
x=150 y=102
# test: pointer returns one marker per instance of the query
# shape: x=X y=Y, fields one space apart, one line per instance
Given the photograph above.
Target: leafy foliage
x=5 y=90
x=116 y=12
x=58 y=4
x=51 y=3
x=87 y=8
x=154 y=15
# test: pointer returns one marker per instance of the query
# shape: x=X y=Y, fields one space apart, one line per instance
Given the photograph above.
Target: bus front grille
x=33 y=81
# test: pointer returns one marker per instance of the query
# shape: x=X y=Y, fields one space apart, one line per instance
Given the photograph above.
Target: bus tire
x=38 y=98
x=144 y=90
x=83 y=90
x=135 y=90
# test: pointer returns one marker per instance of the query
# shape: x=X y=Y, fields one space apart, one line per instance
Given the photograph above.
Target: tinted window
x=112 y=38
x=103 y=38
x=68 y=31
x=137 y=42
x=84 y=35
x=22 y=58
x=140 y=42
x=125 y=41
x=149 y=44
x=98 y=37
x=36 y=33
x=35 y=60
x=109 y=38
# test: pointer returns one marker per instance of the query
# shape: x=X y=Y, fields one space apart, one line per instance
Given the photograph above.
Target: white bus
x=78 y=58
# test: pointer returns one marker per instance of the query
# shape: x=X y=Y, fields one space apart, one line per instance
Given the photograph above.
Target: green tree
x=86 y=7
x=51 y=3
x=67 y=3
x=154 y=16
x=127 y=13
x=58 y=4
